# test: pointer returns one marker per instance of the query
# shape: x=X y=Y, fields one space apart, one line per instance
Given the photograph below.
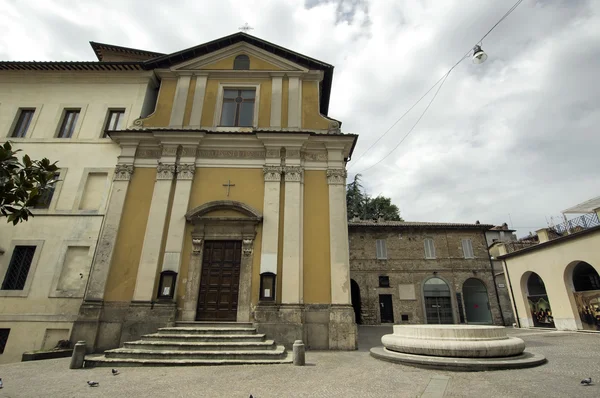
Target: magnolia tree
x=22 y=183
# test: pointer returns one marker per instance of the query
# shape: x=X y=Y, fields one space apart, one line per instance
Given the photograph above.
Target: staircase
x=196 y=343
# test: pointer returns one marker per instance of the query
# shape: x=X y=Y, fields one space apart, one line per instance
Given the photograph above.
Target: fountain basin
x=462 y=341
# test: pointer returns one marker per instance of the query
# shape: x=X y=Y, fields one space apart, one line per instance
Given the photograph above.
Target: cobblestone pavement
x=571 y=356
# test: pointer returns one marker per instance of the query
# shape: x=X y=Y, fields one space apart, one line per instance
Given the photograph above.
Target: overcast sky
x=516 y=135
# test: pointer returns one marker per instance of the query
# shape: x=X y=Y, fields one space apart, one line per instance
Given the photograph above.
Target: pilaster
x=292 y=275
x=198 y=104
x=338 y=237
x=270 y=230
x=276 y=99
x=294 y=102
x=165 y=172
x=181 y=93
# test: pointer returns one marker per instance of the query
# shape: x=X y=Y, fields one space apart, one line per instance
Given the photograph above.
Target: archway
x=477 y=305
x=438 y=301
x=539 y=305
x=586 y=292
x=356 y=304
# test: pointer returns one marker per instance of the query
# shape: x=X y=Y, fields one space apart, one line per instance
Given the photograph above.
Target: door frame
x=206 y=227
x=452 y=298
x=392 y=309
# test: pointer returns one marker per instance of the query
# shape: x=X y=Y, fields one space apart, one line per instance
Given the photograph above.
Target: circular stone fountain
x=455 y=347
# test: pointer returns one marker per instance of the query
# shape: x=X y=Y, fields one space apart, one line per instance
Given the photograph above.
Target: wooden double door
x=219 y=281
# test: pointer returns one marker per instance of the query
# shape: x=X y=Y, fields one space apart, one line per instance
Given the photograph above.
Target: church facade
x=203 y=185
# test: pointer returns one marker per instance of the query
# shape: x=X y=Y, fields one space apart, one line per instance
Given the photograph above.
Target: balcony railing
x=577 y=224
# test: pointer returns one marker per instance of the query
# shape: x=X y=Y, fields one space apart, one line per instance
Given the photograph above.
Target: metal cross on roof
x=245 y=28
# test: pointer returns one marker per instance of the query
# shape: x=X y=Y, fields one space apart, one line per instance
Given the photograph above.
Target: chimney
x=504 y=225
x=380 y=218
x=355 y=217
x=543 y=235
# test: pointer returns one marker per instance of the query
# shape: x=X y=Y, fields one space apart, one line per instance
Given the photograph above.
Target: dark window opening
x=3 y=339
x=238 y=108
x=115 y=120
x=68 y=124
x=405 y=317
x=18 y=269
x=384 y=281
x=585 y=278
x=23 y=122
x=241 y=62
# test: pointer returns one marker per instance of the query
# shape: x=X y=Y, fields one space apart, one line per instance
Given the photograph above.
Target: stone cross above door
x=228 y=186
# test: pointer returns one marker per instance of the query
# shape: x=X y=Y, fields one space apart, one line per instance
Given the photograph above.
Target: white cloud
x=513 y=135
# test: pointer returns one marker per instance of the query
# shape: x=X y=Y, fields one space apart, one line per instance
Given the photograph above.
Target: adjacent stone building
x=421 y=272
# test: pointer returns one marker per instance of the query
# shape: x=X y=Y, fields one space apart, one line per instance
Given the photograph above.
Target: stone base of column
x=86 y=326
x=145 y=317
x=283 y=323
x=342 y=328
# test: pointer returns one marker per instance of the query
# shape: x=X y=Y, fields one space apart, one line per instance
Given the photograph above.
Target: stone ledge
x=525 y=360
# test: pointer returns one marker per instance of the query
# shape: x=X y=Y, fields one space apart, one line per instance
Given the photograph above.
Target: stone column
x=270 y=229
x=190 y=304
x=157 y=216
x=181 y=198
x=291 y=282
x=342 y=326
x=338 y=237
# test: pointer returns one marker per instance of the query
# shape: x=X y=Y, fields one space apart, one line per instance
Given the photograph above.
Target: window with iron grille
x=46 y=197
x=23 y=122
x=238 y=107
x=3 y=339
x=467 y=246
x=381 y=249
x=115 y=120
x=384 y=281
x=429 y=248
x=20 y=262
x=67 y=127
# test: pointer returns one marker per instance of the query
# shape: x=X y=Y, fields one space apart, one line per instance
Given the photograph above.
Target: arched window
x=438 y=302
x=241 y=62
x=585 y=277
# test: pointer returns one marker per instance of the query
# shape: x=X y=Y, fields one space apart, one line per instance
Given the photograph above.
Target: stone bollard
x=78 y=355
x=298 y=353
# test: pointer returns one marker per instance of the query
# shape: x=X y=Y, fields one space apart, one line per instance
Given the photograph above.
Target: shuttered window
x=467 y=247
x=381 y=249
x=429 y=248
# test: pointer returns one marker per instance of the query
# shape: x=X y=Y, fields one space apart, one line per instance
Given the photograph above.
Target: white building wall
x=42 y=313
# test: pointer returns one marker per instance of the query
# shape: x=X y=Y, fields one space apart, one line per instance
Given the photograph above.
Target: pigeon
x=115 y=372
x=93 y=383
x=586 y=382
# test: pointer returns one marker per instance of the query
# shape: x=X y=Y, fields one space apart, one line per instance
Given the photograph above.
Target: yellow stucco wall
x=317 y=270
x=552 y=265
x=207 y=187
x=255 y=64
x=212 y=91
x=311 y=118
x=189 y=102
x=164 y=104
x=163 y=244
x=123 y=271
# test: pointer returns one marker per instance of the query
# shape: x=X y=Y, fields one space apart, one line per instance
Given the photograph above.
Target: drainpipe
x=512 y=294
x=494 y=279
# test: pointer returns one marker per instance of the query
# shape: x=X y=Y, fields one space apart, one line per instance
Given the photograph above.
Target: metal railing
x=577 y=224
x=512 y=247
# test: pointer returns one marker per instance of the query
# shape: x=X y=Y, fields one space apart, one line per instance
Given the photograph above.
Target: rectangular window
x=467 y=247
x=69 y=121
x=115 y=120
x=381 y=249
x=16 y=275
x=429 y=248
x=46 y=196
x=3 y=339
x=23 y=122
x=384 y=281
x=238 y=107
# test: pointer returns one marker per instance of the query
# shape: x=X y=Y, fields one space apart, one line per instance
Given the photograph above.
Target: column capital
x=336 y=176
x=165 y=171
x=293 y=173
x=247 y=245
x=197 y=245
x=186 y=171
x=272 y=173
x=123 y=172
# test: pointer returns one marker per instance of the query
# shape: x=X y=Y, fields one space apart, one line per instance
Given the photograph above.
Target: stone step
x=174 y=337
x=215 y=324
x=101 y=360
x=206 y=330
x=201 y=346
x=126 y=353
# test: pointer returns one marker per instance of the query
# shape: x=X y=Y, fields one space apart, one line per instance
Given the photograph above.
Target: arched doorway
x=355 y=295
x=438 y=302
x=477 y=305
x=586 y=290
x=539 y=305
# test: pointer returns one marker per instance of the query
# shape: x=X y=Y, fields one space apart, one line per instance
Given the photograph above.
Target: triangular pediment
x=223 y=60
